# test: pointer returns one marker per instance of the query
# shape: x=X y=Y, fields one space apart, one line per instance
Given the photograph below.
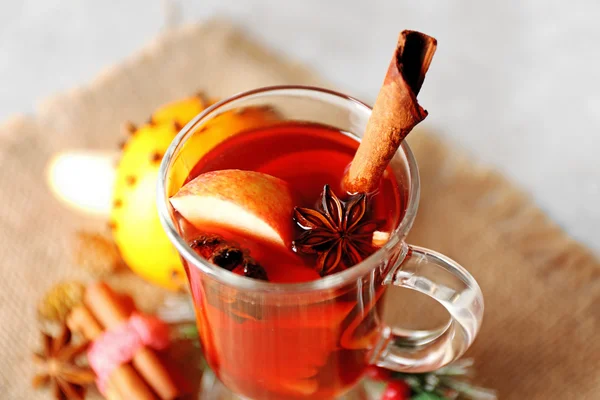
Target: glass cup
x=315 y=340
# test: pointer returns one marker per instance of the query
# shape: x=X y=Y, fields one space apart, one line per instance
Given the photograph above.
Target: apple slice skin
x=249 y=202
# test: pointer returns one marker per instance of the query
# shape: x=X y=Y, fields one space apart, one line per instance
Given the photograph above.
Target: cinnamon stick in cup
x=395 y=113
x=109 y=311
x=124 y=382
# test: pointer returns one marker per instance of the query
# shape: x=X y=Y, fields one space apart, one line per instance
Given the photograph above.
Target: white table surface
x=514 y=83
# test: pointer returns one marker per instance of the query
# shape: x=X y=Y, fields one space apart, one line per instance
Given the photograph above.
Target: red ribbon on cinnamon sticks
x=119 y=345
x=145 y=377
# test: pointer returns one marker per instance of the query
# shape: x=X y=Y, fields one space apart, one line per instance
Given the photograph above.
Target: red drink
x=281 y=349
x=298 y=336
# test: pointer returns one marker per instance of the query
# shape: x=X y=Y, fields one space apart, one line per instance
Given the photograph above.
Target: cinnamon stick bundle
x=110 y=312
x=395 y=113
x=124 y=382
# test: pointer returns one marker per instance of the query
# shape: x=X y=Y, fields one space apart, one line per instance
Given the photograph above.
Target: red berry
x=396 y=390
x=377 y=373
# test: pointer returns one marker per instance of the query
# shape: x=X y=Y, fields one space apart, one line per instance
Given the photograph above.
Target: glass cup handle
x=442 y=279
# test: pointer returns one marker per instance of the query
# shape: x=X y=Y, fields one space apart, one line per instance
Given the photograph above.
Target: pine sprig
x=448 y=383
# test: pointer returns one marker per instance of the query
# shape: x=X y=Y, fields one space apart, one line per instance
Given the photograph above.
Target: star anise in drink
x=58 y=359
x=339 y=232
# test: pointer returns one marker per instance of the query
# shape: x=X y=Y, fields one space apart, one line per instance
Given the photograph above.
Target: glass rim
x=239 y=282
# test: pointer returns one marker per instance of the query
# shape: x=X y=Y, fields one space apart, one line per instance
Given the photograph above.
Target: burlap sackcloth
x=541 y=334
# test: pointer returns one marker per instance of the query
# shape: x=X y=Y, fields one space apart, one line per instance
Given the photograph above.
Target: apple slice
x=248 y=202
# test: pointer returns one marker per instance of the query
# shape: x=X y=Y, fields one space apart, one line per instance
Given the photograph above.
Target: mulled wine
x=290 y=232
x=315 y=350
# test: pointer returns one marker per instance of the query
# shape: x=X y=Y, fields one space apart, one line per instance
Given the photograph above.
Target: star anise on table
x=58 y=359
x=339 y=232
